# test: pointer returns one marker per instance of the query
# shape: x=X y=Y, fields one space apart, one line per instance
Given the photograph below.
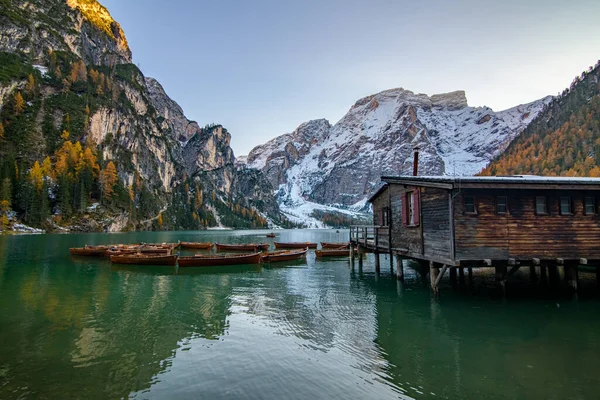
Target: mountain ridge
x=337 y=167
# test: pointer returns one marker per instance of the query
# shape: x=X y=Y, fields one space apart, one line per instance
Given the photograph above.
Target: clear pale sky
x=262 y=67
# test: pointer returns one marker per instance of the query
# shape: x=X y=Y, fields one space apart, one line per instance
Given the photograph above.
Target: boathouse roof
x=493 y=182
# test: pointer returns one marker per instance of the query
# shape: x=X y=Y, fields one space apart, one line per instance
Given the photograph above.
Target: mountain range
x=335 y=168
x=89 y=143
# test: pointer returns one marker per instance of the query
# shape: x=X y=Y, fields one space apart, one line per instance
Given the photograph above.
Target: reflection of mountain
x=122 y=327
x=478 y=349
x=308 y=304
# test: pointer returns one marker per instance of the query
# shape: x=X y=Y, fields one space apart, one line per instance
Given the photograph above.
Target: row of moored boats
x=162 y=253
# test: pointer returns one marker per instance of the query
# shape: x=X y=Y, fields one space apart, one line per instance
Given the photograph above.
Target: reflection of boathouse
x=505 y=222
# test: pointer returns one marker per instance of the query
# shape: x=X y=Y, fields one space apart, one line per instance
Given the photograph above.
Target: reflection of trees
x=469 y=347
x=84 y=329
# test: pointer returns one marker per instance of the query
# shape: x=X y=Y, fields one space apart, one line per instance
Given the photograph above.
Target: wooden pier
x=448 y=225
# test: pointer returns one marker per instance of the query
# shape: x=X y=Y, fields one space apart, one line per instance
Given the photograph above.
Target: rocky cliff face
x=74 y=66
x=341 y=165
x=171 y=116
x=81 y=27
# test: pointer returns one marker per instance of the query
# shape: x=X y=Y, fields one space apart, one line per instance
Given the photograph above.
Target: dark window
x=565 y=205
x=501 y=205
x=590 y=205
x=540 y=205
x=470 y=205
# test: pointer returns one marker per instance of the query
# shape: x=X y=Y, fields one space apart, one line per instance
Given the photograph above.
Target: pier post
x=434 y=272
x=500 y=275
x=360 y=256
x=377 y=264
x=399 y=268
x=391 y=263
x=597 y=277
x=470 y=275
x=532 y=272
x=435 y=276
x=571 y=276
x=553 y=275
x=461 y=276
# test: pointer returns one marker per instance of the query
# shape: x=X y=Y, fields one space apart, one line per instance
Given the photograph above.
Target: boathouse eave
x=497 y=182
x=378 y=192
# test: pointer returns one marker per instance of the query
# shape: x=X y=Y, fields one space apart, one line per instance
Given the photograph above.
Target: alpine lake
x=81 y=328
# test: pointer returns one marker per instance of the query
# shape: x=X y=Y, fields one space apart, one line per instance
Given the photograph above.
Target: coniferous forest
x=563 y=140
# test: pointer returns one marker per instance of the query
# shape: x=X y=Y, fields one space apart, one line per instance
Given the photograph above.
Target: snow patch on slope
x=337 y=168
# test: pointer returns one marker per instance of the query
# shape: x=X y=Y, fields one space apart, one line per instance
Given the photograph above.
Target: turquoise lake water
x=73 y=327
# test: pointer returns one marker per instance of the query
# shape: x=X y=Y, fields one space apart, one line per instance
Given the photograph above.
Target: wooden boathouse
x=453 y=223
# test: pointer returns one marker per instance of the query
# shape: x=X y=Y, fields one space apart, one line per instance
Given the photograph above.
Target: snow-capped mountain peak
x=319 y=165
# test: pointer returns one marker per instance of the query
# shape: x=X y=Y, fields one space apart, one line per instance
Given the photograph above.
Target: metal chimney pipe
x=416 y=161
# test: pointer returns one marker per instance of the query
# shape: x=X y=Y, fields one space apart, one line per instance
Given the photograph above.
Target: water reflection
x=469 y=347
x=85 y=328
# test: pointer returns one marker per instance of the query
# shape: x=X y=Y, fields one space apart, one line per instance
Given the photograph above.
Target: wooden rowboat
x=196 y=245
x=155 y=250
x=332 y=253
x=283 y=255
x=94 y=251
x=332 y=245
x=119 y=250
x=271 y=235
x=295 y=245
x=162 y=245
x=242 y=247
x=144 y=259
x=201 y=260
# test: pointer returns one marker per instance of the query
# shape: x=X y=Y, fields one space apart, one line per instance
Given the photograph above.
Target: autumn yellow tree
x=108 y=178
x=1 y=130
x=19 y=103
x=159 y=219
x=36 y=176
x=47 y=168
x=30 y=83
x=89 y=159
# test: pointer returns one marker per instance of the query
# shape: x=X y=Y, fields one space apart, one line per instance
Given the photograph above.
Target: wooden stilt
x=391 y=263
x=532 y=270
x=553 y=275
x=571 y=276
x=434 y=272
x=500 y=276
x=399 y=268
x=360 y=256
x=597 y=277
x=470 y=275
x=461 y=275
x=377 y=264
